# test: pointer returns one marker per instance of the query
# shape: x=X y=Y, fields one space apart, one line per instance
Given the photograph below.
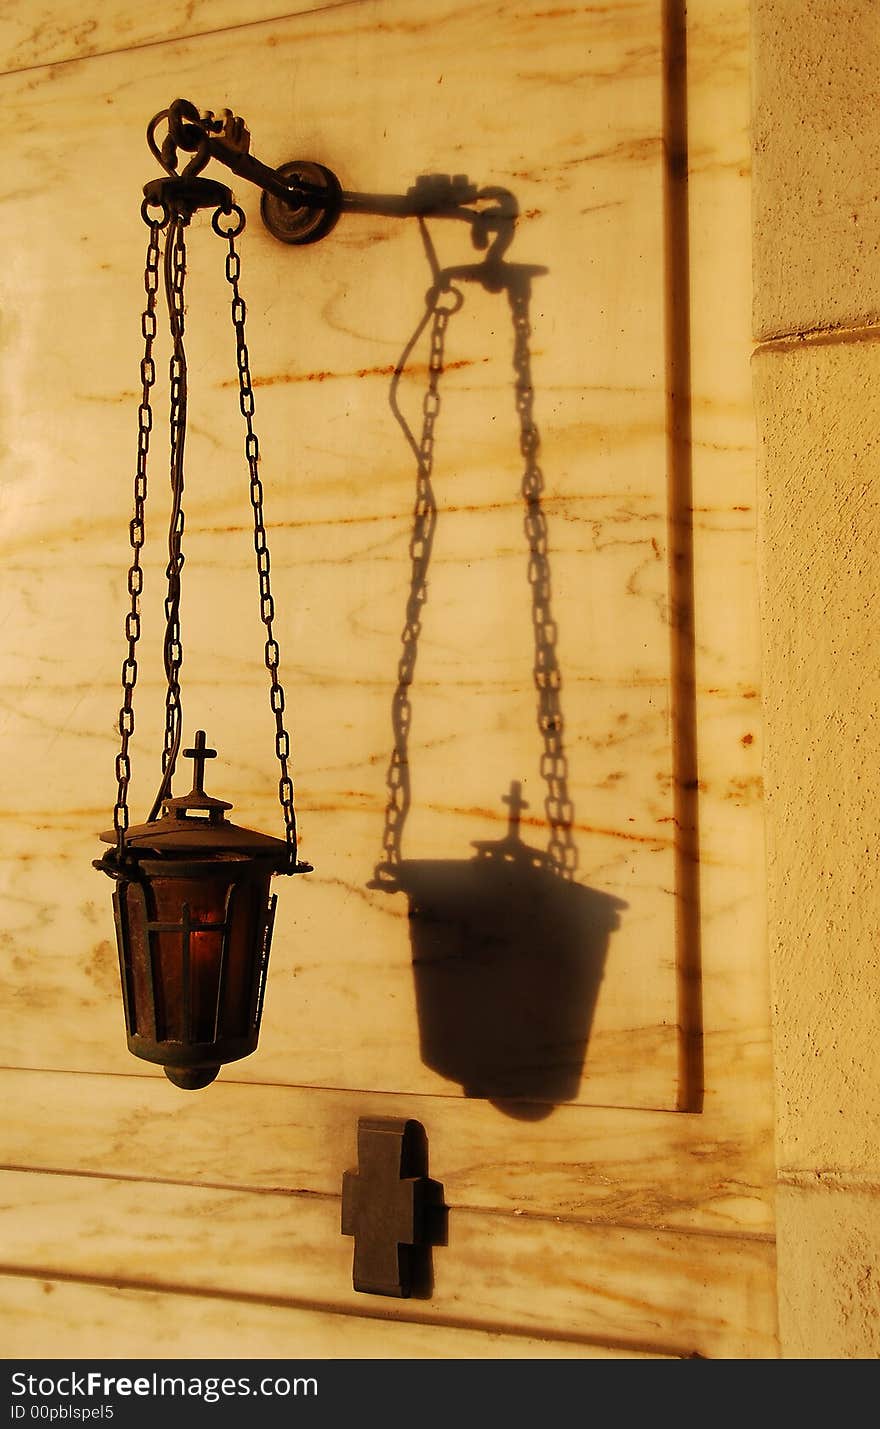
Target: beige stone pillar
x=817 y=392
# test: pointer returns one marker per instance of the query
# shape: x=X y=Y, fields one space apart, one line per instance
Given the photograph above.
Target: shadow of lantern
x=508 y=950
x=508 y=958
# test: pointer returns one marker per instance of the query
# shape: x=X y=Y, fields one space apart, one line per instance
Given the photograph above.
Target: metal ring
x=228 y=213
x=149 y=203
x=433 y=295
x=151 y=139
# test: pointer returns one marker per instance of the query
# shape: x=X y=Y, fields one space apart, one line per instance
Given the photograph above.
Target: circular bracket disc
x=291 y=224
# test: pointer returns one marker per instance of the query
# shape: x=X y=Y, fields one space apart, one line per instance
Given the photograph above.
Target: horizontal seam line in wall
x=830 y=1178
x=521 y=1216
x=359 y=1091
x=183 y=39
x=158 y=1287
x=819 y=337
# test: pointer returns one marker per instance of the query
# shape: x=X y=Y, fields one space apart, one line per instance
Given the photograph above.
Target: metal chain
x=261 y=547
x=424 y=520
x=136 y=532
x=175 y=274
x=558 y=805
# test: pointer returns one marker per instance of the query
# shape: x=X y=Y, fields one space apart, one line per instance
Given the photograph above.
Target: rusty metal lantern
x=194 y=920
x=192 y=902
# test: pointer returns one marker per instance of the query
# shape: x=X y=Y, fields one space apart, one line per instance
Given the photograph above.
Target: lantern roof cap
x=180 y=832
x=195 y=825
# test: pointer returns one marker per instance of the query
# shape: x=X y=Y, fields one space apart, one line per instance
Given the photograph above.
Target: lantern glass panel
x=193 y=944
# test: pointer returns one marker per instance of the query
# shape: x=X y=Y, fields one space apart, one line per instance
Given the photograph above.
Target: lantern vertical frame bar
x=260 y=985
x=123 y=943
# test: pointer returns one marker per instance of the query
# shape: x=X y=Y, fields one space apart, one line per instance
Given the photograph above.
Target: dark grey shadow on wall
x=508 y=958
x=682 y=593
x=508 y=951
x=497 y=276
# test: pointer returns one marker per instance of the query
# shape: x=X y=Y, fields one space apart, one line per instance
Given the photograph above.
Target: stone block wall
x=817 y=392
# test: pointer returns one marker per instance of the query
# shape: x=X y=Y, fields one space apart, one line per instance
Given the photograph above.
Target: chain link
x=136 y=533
x=261 y=547
x=424 y=520
x=175 y=275
x=558 y=804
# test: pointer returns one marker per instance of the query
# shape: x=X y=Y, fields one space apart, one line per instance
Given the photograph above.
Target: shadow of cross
x=386 y=1205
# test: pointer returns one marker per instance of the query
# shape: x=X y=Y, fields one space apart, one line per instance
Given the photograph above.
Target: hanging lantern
x=192 y=903
x=194 y=924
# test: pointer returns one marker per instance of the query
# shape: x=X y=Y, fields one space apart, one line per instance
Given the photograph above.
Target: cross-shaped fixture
x=385 y=1205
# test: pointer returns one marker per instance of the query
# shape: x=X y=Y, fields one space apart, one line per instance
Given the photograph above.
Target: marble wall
x=591 y=1060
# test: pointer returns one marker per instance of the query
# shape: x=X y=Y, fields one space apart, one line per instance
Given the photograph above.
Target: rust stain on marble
x=358 y=800
x=287 y=378
x=716 y=510
x=387 y=369
x=600 y=207
x=102 y=967
x=372 y=518
x=626 y=151
x=745 y=791
x=734 y=693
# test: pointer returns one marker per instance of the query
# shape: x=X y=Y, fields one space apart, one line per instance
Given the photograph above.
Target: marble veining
x=566 y=109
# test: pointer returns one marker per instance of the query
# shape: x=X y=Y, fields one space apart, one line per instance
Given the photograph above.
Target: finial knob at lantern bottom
x=191 y=1079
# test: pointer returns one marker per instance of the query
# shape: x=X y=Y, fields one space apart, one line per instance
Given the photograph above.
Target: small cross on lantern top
x=199 y=754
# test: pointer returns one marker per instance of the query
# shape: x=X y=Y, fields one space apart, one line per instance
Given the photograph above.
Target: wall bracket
x=303 y=200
